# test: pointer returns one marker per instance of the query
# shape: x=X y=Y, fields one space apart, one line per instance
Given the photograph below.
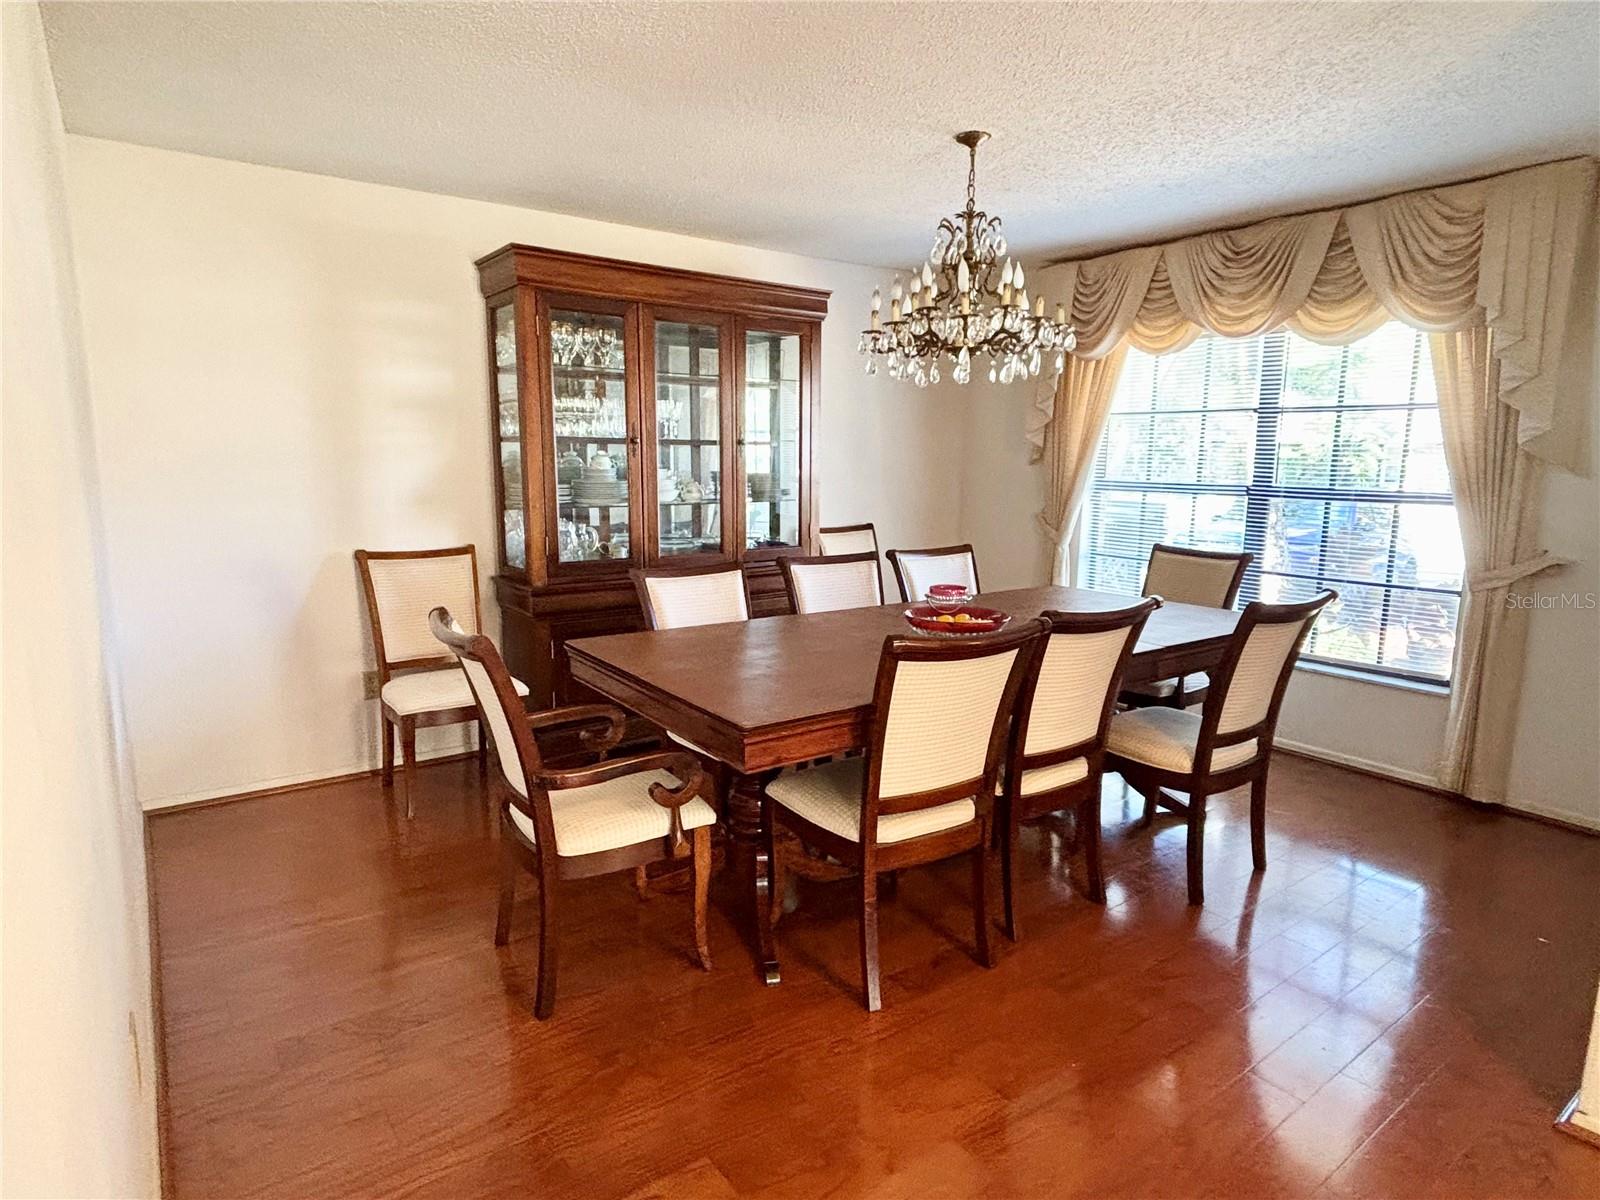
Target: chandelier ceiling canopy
x=962 y=303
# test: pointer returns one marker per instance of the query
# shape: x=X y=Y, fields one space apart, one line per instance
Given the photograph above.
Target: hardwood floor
x=1396 y=1008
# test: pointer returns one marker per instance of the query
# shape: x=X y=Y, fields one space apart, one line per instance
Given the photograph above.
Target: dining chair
x=615 y=815
x=925 y=789
x=417 y=685
x=1229 y=742
x=678 y=597
x=1179 y=575
x=827 y=583
x=918 y=570
x=1055 y=757
x=848 y=539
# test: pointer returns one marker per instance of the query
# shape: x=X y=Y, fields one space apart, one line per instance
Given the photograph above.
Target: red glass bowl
x=924 y=618
x=947 y=597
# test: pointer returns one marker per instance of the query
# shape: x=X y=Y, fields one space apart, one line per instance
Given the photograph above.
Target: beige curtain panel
x=1501 y=252
x=1489 y=268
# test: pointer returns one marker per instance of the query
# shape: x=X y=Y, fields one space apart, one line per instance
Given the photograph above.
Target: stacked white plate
x=600 y=488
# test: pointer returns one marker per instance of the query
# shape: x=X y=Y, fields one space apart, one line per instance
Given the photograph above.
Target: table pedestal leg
x=749 y=840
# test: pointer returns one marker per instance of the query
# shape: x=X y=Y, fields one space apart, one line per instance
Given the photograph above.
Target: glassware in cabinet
x=688 y=437
x=770 y=438
x=589 y=423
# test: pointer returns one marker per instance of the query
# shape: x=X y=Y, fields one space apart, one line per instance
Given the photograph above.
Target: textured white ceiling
x=823 y=128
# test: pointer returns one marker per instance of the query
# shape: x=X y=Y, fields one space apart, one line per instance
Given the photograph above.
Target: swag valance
x=1500 y=252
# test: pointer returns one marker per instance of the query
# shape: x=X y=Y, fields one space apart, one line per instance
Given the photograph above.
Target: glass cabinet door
x=770 y=439
x=589 y=405
x=508 y=429
x=688 y=436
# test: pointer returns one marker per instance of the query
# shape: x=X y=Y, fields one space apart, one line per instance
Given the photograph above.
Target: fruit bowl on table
x=969 y=620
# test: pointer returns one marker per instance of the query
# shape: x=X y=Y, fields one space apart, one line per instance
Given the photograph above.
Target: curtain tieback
x=1050 y=532
x=1490 y=579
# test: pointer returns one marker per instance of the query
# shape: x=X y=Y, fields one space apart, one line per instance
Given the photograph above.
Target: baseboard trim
x=1571 y=1128
x=1361 y=766
x=1365 y=766
x=292 y=784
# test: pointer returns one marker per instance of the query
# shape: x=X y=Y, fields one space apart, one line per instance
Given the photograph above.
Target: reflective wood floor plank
x=1396 y=1008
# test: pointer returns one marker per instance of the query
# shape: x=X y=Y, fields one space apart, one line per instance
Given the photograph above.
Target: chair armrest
x=685 y=766
x=597 y=741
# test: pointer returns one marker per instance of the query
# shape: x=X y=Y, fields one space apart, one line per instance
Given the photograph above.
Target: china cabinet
x=641 y=416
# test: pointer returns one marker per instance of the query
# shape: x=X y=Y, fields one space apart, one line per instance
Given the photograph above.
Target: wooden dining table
x=761 y=695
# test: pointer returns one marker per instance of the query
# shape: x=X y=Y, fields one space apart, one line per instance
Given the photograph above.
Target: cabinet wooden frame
x=546 y=601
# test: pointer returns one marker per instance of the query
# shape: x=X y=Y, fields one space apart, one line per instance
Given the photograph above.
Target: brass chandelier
x=962 y=302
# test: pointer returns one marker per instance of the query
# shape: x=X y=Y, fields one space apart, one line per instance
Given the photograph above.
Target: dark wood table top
x=780 y=690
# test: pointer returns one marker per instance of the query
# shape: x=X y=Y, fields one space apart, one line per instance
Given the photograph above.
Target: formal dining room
x=653 y=600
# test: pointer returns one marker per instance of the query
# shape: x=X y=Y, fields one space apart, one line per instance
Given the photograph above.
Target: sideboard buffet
x=640 y=416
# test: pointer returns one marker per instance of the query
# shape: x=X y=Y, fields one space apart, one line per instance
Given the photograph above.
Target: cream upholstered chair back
x=943 y=708
x=403 y=586
x=848 y=539
x=676 y=599
x=1066 y=704
x=1247 y=686
x=919 y=570
x=1207 y=578
x=499 y=706
x=827 y=584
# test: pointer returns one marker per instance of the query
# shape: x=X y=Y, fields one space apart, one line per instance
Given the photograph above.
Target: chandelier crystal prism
x=963 y=303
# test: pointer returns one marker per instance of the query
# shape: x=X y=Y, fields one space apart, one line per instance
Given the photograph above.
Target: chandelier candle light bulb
x=968 y=298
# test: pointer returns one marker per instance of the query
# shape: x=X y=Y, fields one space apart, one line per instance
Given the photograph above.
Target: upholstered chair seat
x=1047 y=779
x=618 y=812
x=427 y=691
x=829 y=796
x=1166 y=738
x=1194 y=688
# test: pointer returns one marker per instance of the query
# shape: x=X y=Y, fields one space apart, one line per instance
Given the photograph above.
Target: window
x=1325 y=462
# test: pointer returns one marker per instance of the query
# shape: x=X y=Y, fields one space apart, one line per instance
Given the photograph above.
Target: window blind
x=1325 y=462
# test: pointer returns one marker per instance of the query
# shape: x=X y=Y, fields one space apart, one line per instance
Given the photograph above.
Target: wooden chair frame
x=895 y=556
x=538 y=857
x=1180 y=697
x=407 y=725
x=866 y=857
x=865 y=525
x=1201 y=781
x=787 y=566
x=1083 y=796
x=640 y=575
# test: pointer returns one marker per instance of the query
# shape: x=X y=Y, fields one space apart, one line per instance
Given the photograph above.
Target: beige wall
x=289 y=366
x=79 y=1085
x=1556 y=758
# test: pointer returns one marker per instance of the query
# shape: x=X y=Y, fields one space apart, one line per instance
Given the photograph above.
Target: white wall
x=288 y=366
x=1555 y=767
x=79 y=1082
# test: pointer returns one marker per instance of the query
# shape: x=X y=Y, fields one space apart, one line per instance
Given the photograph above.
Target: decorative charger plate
x=966 y=621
